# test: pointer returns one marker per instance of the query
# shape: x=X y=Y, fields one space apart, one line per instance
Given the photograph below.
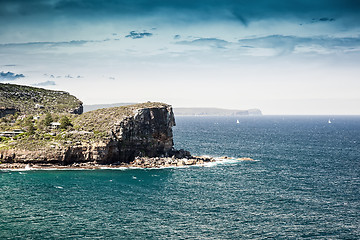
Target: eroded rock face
x=145 y=133
x=78 y=110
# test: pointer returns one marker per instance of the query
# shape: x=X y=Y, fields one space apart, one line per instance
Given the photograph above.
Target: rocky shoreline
x=139 y=162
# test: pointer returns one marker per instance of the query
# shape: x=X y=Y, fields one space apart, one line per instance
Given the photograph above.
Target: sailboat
x=329 y=121
x=237 y=121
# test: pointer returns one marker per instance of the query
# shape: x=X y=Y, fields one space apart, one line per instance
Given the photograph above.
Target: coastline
x=139 y=162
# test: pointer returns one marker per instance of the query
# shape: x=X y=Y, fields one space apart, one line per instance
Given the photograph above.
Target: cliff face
x=147 y=133
x=143 y=130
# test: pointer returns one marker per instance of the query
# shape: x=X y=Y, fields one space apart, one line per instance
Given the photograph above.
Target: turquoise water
x=304 y=186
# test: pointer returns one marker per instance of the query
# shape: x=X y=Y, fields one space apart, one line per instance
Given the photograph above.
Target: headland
x=47 y=129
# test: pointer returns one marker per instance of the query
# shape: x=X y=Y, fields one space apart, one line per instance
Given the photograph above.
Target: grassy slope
x=102 y=120
x=90 y=127
x=24 y=99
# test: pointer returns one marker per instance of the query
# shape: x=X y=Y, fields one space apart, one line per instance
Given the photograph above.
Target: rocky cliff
x=104 y=136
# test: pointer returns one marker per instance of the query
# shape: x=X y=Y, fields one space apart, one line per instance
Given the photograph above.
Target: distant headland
x=188 y=111
x=215 y=112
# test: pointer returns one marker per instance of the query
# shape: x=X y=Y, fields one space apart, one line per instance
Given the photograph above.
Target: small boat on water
x=237 y=121
x=329 y=121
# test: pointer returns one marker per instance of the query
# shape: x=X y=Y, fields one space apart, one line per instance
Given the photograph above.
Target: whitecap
x=16 y=169
x=113 y=168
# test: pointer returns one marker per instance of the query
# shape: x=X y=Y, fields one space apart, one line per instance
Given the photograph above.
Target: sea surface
x=304 y=184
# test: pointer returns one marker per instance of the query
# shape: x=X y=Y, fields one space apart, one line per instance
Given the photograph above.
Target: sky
x=283 y=57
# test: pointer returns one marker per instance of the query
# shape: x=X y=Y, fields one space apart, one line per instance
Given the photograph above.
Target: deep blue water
x=305 y=185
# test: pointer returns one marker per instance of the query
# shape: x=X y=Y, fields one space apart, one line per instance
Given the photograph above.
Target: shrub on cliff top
x=48 y=119
x=65 y=122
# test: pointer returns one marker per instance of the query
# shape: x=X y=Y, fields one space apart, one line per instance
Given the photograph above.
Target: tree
x=65 y=122
x=48 y=119
x=31 y=129
x=29 y=126
x=16 y=115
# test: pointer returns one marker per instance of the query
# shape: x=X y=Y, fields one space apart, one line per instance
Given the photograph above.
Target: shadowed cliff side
x=134 y=130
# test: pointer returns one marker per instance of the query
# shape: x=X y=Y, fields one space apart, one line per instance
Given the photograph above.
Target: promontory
x=42 y=128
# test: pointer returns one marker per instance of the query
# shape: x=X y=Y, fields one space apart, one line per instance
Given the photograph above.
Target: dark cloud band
x=243 y=11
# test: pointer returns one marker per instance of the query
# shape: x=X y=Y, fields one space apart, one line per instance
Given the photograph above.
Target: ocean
x=304 y=184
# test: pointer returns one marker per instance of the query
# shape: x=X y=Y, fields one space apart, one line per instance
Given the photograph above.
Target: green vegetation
x=40 y=132
x=30 y=128
x=32 y=100
x=48 y=120
x=102 y=120
x=65 y=122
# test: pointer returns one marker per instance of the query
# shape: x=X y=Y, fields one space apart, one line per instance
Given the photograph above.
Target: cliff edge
x=105 y=136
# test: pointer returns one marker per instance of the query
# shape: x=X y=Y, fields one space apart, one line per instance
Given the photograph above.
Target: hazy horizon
x=100 y=105
x=284 y=58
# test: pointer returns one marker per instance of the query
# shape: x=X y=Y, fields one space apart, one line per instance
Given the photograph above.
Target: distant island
x=215 y=112
x=188 y=111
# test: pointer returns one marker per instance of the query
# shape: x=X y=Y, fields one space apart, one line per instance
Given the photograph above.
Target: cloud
x=294 y=44
x=137 y=35
x=276 y=45
x=210 y=42
x=323 y=19
x=10 y=76
x=47 y=83
x=72 y=43
x=177 y=36
x=9 y=65
x=49 y=44
x=240 y=18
